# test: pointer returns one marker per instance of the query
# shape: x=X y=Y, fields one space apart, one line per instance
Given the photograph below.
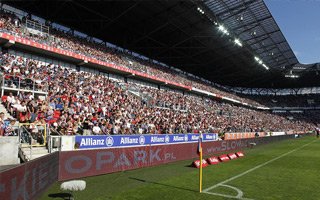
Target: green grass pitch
x=285 y=170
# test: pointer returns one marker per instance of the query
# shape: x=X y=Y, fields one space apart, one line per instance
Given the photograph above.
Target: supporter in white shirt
x=10 y=98
x=6 y=67
x=22 y=107
x=96 y=129
x=140 y=130
x=31 y=97
x=116 y=129
x=16 y=70
x=15 y=100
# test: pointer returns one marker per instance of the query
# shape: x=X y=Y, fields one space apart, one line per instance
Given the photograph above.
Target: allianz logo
x=109 y=141
x=129 y=140
x=178 y=138
x=157 y=139
x=209 y=137
x=167 y=139
x=142 y=140
x=195 y=137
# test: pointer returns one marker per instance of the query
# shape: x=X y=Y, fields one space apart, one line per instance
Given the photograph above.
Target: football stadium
x=159 y=99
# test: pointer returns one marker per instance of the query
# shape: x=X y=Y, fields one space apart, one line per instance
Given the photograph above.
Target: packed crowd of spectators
x=83 y=46
x=310 y=100
x=22 y=73
x=84 y=103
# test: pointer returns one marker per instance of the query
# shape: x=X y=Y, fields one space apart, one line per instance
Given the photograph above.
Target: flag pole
x=200 y=169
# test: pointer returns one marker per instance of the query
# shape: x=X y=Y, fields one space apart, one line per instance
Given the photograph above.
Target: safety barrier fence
x=33 y=134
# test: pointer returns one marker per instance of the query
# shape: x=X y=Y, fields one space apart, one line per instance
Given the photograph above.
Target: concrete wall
x=9 y=150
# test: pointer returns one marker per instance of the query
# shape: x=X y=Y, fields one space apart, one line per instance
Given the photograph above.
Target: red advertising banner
x=196 y=163
x=213 y=160
x=76 y=164
x=29 y=180
x=236 y=136
x=224 y=158
x=240 y=154
x=232 y=156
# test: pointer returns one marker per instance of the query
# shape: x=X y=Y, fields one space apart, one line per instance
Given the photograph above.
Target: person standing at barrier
x=1 y=123
x=87 y=124
x=10 y=100
x=9 y=130
x=96 y=129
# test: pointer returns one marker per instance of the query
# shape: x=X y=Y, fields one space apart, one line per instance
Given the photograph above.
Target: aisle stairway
x=28 y=153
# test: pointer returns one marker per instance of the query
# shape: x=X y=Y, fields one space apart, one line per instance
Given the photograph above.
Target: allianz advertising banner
x=105 y=141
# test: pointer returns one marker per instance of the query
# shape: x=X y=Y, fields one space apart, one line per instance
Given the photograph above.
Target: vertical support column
x=2 y=90
x=45 y=134
x=33 y=86
x=19 y=85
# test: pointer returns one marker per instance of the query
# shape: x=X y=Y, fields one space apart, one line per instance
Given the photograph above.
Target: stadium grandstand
x=102 y=78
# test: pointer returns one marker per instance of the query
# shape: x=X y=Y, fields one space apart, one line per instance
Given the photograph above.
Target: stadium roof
x=252 y=22
x=195 y=36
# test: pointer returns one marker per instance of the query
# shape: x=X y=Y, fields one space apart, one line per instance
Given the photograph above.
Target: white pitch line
x=228 y=196
x=252 y=169
x=239 y=195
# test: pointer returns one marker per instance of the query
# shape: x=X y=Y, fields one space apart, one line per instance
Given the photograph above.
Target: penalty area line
x=250 y=170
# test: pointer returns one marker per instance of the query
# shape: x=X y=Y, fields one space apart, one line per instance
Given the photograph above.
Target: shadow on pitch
x=63 y=196
x=189 y=166
x=170 y=186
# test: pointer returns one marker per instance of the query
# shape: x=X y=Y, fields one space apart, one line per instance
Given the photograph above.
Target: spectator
x=9 y=129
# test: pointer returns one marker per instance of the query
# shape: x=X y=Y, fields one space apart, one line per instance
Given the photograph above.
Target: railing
x=19 y=84
x=38 y=138
x=30 y=139
x=25 y=137
x=36 y=27
x=176 y=107
x=54 y=143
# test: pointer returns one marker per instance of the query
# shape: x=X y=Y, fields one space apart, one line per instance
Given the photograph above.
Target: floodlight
x=221 y=28
x=265 y=66
x=237 y=41
x=200 y=10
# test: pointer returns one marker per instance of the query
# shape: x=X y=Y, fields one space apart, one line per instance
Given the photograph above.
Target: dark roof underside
x=175 y=33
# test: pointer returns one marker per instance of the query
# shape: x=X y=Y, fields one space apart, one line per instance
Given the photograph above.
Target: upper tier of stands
x=82 y=46
x=311 y=100
x=67 y=41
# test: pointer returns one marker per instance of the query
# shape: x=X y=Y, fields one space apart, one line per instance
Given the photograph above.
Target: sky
x=299 y=21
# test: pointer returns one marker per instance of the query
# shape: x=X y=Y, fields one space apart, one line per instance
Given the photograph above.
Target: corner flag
x=199 y=151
